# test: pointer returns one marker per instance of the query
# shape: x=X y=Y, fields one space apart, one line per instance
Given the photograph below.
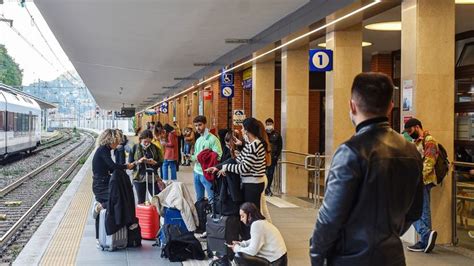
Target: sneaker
x=431 y=242
x=418 y=247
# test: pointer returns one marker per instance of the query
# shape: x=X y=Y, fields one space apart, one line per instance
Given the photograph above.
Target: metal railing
x=314 y=164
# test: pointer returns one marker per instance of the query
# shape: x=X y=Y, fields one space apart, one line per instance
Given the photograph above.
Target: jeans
x=187 y=148
x=423 y=225
x=140 y=188
x=201 y=184
x=172 y=166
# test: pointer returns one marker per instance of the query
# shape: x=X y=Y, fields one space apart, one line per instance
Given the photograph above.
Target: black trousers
x=252 y=193
x=270 y=172
x=140 y=188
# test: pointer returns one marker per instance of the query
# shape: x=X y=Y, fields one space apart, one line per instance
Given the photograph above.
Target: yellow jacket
x=428 y=148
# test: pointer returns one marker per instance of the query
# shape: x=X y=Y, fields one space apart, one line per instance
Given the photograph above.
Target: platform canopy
x=127 y=51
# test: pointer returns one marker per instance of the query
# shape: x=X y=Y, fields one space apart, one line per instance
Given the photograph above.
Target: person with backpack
x=429 y=150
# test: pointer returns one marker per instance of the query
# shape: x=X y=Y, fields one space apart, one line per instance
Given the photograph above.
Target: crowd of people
x=250 y=154
x=378 y=184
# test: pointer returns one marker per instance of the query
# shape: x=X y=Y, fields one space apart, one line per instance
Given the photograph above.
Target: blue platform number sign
x=227 y=84
x=320 y=60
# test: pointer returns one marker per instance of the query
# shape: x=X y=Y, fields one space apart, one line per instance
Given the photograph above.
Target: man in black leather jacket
x=374 y=187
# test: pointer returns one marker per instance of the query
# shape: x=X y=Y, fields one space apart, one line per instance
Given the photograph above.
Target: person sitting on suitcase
x=148 y=158
x=265 y=243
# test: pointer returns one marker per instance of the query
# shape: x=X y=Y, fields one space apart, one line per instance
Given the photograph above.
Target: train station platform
x=67 y=236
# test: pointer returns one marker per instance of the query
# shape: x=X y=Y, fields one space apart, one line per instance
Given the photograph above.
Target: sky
x=33 y=65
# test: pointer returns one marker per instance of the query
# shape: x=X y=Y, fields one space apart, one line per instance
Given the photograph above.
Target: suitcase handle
x=146 y=182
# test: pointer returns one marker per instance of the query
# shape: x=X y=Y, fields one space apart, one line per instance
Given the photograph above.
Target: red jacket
x=208 y=158
x=171 y=147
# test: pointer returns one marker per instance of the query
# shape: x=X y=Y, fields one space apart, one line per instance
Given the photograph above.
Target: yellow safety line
x=67 y=238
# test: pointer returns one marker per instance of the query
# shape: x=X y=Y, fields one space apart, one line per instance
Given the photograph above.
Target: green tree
x=10 y=72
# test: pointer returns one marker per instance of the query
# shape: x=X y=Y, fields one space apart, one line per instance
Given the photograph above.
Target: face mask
x=145 y=145
x=415 y=135
x=269 y=128
x=246 y=138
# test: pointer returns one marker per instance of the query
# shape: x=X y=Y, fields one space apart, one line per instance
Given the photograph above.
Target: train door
x=29 y=129
x=3 y=125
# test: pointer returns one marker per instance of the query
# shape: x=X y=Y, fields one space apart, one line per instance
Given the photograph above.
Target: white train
x=20 y=123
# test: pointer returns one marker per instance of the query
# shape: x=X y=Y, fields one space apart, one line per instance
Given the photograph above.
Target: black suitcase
x=220 y=230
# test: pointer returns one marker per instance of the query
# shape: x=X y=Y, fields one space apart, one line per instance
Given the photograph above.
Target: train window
x=3 y=126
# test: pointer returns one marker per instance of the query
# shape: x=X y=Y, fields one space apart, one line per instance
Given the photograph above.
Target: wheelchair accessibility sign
x=320 y=60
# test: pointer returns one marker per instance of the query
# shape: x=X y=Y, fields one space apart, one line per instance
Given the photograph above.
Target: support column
x=294 y=116
x=347 y=62
x=263 y=90
x=428 y=39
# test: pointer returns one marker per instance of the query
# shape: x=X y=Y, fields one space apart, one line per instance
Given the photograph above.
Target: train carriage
x=20 y=123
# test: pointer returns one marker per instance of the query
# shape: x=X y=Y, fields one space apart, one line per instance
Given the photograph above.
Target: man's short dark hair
x=413 y=122
x=200 y=119
x=269 y=120
x=373 y=93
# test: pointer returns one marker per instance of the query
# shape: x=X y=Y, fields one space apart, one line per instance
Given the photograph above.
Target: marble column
x=347 y=63
x=295 y=116
x=263 y=90
x=428 y=39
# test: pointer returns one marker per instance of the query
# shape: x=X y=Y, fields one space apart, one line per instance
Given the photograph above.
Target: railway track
x=22 y=202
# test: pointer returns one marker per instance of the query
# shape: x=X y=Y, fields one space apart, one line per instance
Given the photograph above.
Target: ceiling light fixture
x=385 y=26
x=364 y=44
x=375 y=2
x=464 y=2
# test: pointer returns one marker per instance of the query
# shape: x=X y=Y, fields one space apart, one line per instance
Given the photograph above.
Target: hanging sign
x=320 y=60
x=227 y=84
x=164 y=108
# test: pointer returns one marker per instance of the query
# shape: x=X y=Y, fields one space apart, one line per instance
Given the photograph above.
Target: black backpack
x=203 y=208
x=134 y=238
x=442 y=164
x=180 y=247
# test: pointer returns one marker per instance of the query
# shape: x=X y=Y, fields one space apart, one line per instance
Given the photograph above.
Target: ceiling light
x=464 y=2
x=385 y=26
x=364 y=44
x=253 y=59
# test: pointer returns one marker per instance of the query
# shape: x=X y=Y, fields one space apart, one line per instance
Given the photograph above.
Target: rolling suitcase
x=147 y=214
x=220 y=230
x=118 y=240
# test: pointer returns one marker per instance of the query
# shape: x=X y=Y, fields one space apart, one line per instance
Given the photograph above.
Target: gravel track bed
x=9 y=253
x=28 y=193
x=11 y=172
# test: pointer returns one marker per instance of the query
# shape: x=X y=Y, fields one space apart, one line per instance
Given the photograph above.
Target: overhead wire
x=49 y=46
x=35 y=49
